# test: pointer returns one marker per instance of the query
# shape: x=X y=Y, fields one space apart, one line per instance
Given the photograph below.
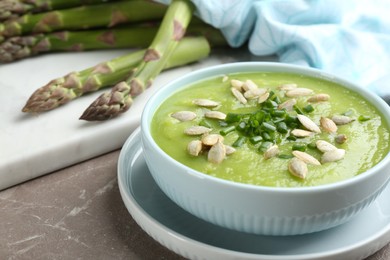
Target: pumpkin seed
x=299 y=92
x=307 y=158
x=342 y=120
x=249 y=85
x=217 y=153
x=205 y=102
x=197 y=130
x=308 y=123
x=254 y=93
x=328 y=125
x=297 y=168
x=272 y=151
x=215 y=115
x=184 y=115
x=229 y=149
x=288 y=104
x=287 y=87
x=341 y=138
x=301 y=133
x=211 y=139
x=324 y=146
x=319 y=98
x=263 y=98
x=239 y=95
x=194 y=147
x=237 y=84
x=333 y=156
x=225 y=78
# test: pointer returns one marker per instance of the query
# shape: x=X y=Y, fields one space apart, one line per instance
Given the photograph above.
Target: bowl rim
x=238 y=67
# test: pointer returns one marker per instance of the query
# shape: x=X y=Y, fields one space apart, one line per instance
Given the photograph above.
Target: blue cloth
x=349 y=38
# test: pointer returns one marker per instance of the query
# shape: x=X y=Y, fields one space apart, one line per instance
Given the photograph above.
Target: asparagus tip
x=109 y=104
x=50 y=96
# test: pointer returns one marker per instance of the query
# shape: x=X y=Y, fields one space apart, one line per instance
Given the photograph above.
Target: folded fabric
x=347 y=38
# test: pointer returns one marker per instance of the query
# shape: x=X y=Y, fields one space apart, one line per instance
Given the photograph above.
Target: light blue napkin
x=347 y=38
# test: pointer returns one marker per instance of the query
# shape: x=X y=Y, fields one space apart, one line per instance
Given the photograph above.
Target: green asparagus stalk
x=84 y=17
x=119 y=100
x=14 y=8
x=20 y=47
x=64 y=89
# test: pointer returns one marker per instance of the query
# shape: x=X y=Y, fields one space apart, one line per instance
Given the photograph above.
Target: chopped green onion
x=277 y=100
x=205 y=123
x=291 y=119
x=241 y=126
x=363 y=118
x=232 y=118
x=285 y=156
x=264 y=146
x=267 y=136
x=279 y=113
x=291 y=138
x=227 y=130
x=239 y=142
x=277 y=120
x=222 y=123
x=268 y=127
x=309 y=108
x=298 y=109
x=312 y=145
x=349 y=112
x=255 y=139
x=282 y=127
x=299 y=147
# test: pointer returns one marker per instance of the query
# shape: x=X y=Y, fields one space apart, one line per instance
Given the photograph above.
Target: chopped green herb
x=285 y=156
x=255 y=139
x=282 y=127
x=308 y=109
x=312 y=145
x=299 y=147
x=227 y=130
x=264 y=146
x=268 y=127
x=291 y=138
x=239 y=142
x=267 y=136
x=363 y=118
x=205 y=123
x=232 y=118
x=298 y=109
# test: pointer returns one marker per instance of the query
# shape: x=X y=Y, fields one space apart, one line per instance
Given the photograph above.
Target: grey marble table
x=77 y=213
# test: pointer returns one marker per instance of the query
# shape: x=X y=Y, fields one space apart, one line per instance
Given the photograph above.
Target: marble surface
x=77 y=213
x=33 y=145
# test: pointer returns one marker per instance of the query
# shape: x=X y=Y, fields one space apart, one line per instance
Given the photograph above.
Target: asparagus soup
x=271 y=129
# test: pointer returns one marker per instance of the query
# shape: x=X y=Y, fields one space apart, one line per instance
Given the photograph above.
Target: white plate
x=193 y=238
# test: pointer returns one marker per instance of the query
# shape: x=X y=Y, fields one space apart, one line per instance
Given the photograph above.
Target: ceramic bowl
x=257 y=209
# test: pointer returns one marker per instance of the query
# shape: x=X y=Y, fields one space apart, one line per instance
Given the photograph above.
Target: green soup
x=367 y=135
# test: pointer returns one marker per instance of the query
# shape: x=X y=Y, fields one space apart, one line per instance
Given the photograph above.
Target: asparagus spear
x=14 y=8
x=64 y=89
x=171 y=30
x=20 y=47
x=84 y=17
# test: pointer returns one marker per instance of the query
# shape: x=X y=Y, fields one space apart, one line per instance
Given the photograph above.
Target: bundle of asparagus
x=159 y=29
x=14 y=8
x=83 y=17
x=129 y=36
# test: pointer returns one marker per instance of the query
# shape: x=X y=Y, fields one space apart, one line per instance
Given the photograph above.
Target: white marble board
x=34 y=145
